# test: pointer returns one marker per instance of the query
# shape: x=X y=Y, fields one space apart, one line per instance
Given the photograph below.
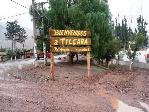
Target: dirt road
x=118 y=90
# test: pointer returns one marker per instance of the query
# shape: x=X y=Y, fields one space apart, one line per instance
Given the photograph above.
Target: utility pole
x=43 y=31
x=35 y=35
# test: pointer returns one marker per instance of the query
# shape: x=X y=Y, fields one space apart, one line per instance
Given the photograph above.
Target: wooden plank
x=75 y=33
x=51 y=64
x=74 y=41
x=52 y=67
x=71 y=49
x=88 y=65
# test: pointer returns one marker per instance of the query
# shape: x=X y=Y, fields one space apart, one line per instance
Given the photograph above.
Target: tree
x=122 y=32
x=136 y=43
x=58 y=14
x=42 y=24
x=132 y=40
x=15 y=33
x=112 y=48
x=22 y=36
x=141 y=28
x=93 y=15
x=40 y=44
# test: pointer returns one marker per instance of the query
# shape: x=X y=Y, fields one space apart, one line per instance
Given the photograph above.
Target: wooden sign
x=67 y=41
x=75 y=33
x=71 y=49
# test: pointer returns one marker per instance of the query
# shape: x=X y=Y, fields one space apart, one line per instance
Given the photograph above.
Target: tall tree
x=22 y=36
x=42 y=24
x=135 y=44
x=122 y=32
x=93 y=15
x=141 y=28
x=15 y=33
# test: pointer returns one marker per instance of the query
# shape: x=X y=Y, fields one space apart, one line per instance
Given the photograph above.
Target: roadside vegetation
x=108 y=37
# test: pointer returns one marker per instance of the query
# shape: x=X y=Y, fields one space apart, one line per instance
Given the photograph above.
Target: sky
x=9 y=8
x=131 y=9
x=128 y=8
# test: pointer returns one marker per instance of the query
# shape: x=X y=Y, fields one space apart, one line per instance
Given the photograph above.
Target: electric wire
x=23 y=13
x=28 y=8
x=13 y=16
x=19 y=4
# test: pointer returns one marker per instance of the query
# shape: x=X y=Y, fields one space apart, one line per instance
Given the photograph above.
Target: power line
x=19 y=4
x=26 y=7
x=33 y=8
x=13 y=16
x=23 y=14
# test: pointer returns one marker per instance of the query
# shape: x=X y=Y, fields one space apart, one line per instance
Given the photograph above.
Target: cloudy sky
x=9 y=8
x=129 y=8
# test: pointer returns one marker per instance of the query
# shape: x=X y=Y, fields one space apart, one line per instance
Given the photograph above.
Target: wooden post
x=52 y=66
x=88 y=65
x=51 y=62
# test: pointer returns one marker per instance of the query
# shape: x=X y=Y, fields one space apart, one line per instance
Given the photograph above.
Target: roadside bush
x=2 y=49
x=10 y=53
x=17 y=52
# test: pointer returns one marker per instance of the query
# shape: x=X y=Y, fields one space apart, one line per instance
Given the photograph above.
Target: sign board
x=68 y=33
x=69 y=41
x=71 y=49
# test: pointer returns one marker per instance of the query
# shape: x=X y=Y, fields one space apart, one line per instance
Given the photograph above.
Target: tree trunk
x=107 y=62
x=118 y=60
x=130 y=66
x=12 y=45
x=71 y=57
x=12 y=50
x=77 y=57
x=23 y=46
x=23 y=51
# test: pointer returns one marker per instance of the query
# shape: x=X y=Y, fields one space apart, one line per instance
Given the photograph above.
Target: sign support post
x=52 y=66
x=51 y=62
x=88 y=65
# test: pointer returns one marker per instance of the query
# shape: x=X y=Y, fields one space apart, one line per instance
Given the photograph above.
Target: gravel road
x=26 y=89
